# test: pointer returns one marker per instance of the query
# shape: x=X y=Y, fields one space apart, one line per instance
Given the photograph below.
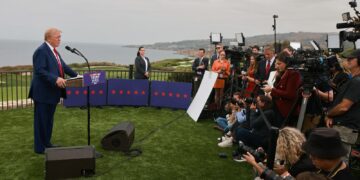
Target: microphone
x=77 y=52
x=73 y=50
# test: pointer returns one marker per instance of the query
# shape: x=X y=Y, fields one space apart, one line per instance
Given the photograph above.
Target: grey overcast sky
x=150 y=21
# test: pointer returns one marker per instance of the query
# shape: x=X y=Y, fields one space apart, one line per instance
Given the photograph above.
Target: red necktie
x=267 y=67
x=59 y=63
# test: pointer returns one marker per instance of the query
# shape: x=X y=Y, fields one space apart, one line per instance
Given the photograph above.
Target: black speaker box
x=120 y=137
x=69 y=162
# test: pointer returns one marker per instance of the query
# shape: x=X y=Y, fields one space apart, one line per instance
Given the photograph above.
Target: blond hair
x=289 y=145
x=50 y=32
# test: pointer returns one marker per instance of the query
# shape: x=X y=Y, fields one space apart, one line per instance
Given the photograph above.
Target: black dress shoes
x=39 y=152
x=53 y=146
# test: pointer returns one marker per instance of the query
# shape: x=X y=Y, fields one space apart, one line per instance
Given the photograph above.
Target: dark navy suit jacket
x=261 y=71
x=45 y=72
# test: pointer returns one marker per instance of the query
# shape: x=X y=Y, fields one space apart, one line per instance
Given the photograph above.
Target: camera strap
x=332 y=173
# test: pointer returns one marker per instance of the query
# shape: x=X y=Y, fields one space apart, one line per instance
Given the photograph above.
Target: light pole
x=274 y=28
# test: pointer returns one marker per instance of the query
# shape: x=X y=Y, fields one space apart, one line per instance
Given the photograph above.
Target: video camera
x=312 y=65
x=350 y=22
x=236 y=55
x=258 y=154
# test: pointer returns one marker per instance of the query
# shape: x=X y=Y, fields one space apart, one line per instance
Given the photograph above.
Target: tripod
x=234 y=85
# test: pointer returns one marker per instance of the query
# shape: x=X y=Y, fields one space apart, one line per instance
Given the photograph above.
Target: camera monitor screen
x=333 y=41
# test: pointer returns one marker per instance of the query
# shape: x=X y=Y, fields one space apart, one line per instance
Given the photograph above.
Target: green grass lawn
x=182 y=150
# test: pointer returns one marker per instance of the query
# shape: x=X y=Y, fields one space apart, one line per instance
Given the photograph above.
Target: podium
x=75 y=82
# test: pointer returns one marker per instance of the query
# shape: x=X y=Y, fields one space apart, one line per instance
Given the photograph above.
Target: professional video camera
x=312 y=65
x=236 y=55
x=350 y=22
x=259 y=154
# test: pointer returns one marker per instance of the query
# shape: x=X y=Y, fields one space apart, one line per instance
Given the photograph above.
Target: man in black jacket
x=199 y=66
x=142 y=65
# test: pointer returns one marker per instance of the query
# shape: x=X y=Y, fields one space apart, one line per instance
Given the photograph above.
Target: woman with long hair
x=285 y=91
x=142 y=65
x=290 y=159
x=250 y=76
x=222 y=67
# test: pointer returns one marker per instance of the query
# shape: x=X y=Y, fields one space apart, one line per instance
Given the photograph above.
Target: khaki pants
x=311 y=121
x=349 y=137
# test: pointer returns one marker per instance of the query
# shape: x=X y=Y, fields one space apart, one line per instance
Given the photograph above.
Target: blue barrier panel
x=76 y=97
x=98 y=95
x=170 y=94
x=128 y=92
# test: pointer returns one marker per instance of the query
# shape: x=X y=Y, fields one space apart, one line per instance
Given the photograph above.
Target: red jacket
x=285 y=93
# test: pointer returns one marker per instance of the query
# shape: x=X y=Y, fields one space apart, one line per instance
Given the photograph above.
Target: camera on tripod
x=350 y=22
x=258 y=154
x=312 y=66
x=236 y=56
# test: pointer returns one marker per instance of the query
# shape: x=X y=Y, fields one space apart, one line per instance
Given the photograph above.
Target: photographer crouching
x=258 y=134
x=290 y=159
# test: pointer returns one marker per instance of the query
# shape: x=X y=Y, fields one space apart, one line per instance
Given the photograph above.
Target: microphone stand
x=97 y=154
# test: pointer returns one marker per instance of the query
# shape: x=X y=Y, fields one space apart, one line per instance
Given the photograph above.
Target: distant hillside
x=261 y=40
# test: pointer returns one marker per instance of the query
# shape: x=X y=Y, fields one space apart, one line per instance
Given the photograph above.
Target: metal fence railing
x=15 y=85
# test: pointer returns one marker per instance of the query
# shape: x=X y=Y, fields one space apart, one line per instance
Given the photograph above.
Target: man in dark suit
x=265 y=66
x=218 y=47
x=47 y=86
x=199 y=66
x=142 y=65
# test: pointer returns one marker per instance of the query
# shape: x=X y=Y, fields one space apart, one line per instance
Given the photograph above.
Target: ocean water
x=18 y=52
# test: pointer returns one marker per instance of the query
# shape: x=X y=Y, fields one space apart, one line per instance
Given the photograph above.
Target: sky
x=148 y=21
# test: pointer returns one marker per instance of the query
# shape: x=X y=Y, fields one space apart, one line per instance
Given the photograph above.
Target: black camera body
x=259 y=154
x=351 y=22
x=250 y=100
x=236 y=56
x=312 y=67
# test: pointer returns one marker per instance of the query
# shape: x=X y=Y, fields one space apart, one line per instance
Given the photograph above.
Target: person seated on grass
x=290 y=159
x=222 y=123
x=238 y=117
x=258 y=134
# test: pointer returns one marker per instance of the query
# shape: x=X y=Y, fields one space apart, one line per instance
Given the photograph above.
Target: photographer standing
x=345 y=113
x=284 y=92
x=320 y=99
x=199 y=66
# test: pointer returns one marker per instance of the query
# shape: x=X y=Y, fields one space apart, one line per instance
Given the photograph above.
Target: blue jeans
x=222 y=122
